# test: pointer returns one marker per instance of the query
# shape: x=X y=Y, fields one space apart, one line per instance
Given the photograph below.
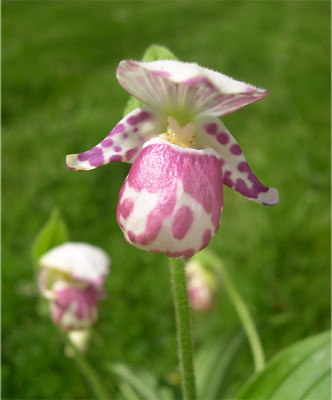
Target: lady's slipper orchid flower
x=71 y=278
x=181 y=152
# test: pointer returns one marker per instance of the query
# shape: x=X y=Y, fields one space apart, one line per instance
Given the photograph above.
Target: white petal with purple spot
x=237 y=174
x=123 y=143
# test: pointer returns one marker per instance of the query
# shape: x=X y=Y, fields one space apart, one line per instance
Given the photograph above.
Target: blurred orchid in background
x=201 y=286
x=182 y=154
x=71 y=278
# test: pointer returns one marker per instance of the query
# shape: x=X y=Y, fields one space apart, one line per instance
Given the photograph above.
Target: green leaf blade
x=299 y=372
x=322 y=386
x=212 y=363
x=157 y=52
x=142 y=384
x=53 y=233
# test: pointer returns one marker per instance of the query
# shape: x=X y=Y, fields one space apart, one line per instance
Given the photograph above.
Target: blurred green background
x=60 y=96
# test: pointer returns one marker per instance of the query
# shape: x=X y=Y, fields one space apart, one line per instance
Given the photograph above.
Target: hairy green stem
x=184 y=340
x=86 y=370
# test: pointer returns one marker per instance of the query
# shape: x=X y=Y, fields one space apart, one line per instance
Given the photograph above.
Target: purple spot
x=243 y=167
x=236 y=149
x=130 y=153
x=211 y=129
x=223 y=138
x=124 y=135
x=135 y=129
x=174 y=253
x=206 y=237
x=153 y=226
x=107 y=142
x=132 y=236
x=183 y=220
x=126 y=207
x=136 y=119
x=164 y=74
x=199 y=80
x=184 y=253
x=83 y=156
x=117 y=129
x=222 y=162
x=227 y=180
x=96 y=157
x=117 y=149
x=115 y=157
x=243 y=188
x=189 y=253
x=194 y=80
x=257 y=185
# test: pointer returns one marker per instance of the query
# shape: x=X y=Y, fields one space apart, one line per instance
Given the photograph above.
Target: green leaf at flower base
x=300 y=372
x=213 y=361
x=136 y=383
x=156 y=52
x=152 y=53
x=52 y=234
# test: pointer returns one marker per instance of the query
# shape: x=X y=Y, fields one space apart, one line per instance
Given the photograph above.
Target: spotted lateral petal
x=122 y=144
x=81 y=261
x=173 y=85
x=212 y=133
x=162 y=207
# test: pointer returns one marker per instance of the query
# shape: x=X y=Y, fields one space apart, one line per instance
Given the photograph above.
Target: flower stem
x=86 y=370
x=184 y=340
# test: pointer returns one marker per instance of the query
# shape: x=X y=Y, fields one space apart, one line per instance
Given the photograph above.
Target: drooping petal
x=172 y=199
x=176 y=85
x=123 y=143
x=212 y=133
x=81 y=261
x=74 y=308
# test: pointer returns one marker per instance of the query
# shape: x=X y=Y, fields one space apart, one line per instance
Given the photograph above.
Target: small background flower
x=201 y=286
x=71 y=278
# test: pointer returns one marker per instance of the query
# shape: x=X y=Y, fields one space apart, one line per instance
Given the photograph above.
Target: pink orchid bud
x=200 y=287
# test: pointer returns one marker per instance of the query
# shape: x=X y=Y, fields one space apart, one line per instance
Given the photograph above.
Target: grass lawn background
x=60 y=96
